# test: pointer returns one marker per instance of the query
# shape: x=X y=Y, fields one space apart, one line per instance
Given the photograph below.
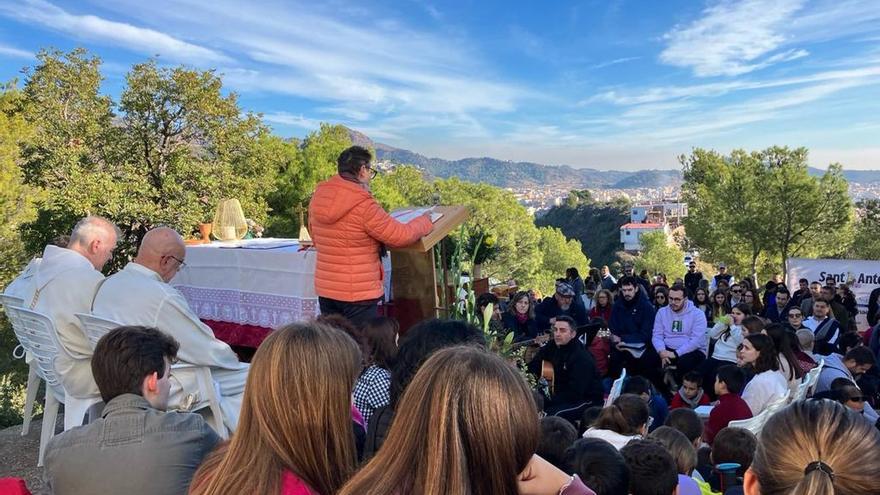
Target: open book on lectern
x=406 y=215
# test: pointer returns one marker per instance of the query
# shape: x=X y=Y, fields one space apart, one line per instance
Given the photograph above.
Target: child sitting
x=657 y=405
x=736 y=445
x=600 y=466
x=652 y=470
x=557 y=435
x=729 y=383
x=690 y=394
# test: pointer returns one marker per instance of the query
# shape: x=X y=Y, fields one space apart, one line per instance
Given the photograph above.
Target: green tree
x=660 y=255
x=299 y=167
x=71 y=153
x=178 y=146
x=813 y=217
x=595 y=225
x=866 y=244
x=404 y=186
x=726 y=219
x=558 y=254
x=534 y=257
x=16 y=198
x=754 y=210
x=16 y=207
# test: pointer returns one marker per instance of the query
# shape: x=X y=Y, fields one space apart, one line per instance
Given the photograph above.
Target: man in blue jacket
x=632 y=325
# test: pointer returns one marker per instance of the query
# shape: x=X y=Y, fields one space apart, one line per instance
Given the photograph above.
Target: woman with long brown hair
x=466 y=425
x=294 y=434
x=373 y=387
x=815 y=447
x=520 y=317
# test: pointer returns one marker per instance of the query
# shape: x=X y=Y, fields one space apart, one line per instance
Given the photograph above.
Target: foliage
x=513 y=243
x=299 y=166
x=177 y=148
x=576 y=198
x=17 y=207
x=659 y=255
x=596 y=226
x=753 y=210
x=559 y=253
x=16 y=198
x=866 y=244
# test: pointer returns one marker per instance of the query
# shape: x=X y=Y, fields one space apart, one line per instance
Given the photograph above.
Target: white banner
x=862 y=276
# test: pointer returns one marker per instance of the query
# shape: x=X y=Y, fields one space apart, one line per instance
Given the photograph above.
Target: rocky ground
x=19 y=454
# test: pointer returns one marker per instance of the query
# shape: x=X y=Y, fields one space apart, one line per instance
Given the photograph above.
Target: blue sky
x=603 y=84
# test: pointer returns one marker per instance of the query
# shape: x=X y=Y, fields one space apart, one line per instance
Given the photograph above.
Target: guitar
x=539 y=340
x=548 y=374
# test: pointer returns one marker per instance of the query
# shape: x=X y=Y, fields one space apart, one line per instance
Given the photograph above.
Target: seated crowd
x=637 y=386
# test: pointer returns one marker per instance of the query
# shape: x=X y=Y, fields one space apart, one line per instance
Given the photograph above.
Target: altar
x=245 y=289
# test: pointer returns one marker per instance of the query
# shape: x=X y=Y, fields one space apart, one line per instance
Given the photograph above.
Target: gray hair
x=90 y=227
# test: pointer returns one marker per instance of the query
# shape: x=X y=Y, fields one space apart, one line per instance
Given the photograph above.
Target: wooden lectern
x=413 y=276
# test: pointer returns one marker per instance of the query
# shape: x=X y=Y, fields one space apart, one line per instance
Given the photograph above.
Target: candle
x=228 y=233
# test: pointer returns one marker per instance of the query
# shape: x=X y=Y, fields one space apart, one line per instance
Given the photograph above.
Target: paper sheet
x=409 y=214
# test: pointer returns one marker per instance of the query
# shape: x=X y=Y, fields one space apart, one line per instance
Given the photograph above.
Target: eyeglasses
x=858 y=398
x=736 y=292
x=373 y=171
x=178 y=260
x=795 y=315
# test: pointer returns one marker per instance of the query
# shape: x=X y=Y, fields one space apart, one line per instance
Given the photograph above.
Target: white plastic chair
x=33 y=382
x=95 y=327
x=756 y=424
x=42 y=344
x=616 y=388
x=208 y=396
x=808 y=383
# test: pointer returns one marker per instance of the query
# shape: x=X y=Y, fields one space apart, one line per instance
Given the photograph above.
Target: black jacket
x=575 y=377
x=521 y=331
x=692 y=282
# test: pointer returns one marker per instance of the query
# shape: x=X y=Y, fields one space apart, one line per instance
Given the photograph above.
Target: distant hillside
x=857 y=176
x=505 y=173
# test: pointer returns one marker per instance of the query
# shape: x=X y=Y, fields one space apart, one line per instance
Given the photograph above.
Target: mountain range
x=506 y=173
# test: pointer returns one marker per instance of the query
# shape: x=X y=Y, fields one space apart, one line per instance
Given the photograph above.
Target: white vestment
x=137 y=295
x=20 y=283
x=64 y=284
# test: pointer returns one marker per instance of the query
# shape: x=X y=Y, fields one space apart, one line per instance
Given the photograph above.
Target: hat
x=722 y=265
x=564 y=289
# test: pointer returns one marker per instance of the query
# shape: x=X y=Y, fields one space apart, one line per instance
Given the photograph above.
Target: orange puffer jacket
x=349 y=227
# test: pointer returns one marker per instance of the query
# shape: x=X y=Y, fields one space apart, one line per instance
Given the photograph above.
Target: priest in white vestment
x=63 y=283
x=139 y=294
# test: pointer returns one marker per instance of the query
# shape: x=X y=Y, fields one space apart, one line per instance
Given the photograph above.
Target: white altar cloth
x=262 y=282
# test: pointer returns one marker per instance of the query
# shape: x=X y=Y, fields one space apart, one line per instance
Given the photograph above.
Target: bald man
x=62 y=284
x=140 y=295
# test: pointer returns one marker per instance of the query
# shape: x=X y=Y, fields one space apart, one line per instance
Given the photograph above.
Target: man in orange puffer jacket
x=349 y=229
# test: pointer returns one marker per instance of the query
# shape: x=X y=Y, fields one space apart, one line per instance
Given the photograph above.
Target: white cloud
x=138 y=39
x=289 y=119
x=711 y=90
x=731 y=37
x=614 y=62
x=11 y=51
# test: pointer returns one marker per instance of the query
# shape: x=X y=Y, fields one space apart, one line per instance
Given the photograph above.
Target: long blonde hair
x=295 y=416
x=466 y=425
x=813 y=431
